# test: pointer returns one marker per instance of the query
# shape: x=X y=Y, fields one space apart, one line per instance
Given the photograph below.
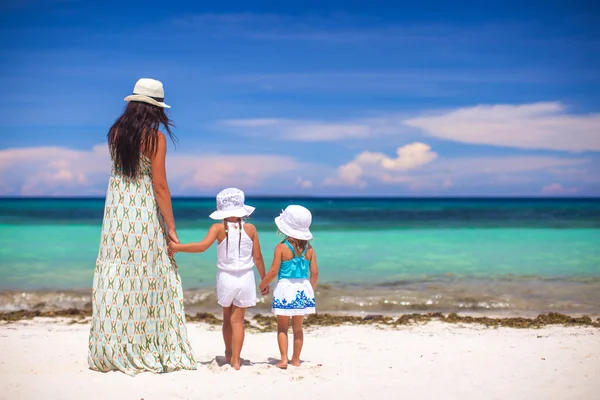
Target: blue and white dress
x=293 y=294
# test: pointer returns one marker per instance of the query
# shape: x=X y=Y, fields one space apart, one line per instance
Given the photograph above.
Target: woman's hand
x=173 y=236
x=265 y=290
x=172 y=240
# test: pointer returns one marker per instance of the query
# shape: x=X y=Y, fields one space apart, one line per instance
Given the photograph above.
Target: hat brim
x=146 y=99
x=293 y=233
x=237 y=212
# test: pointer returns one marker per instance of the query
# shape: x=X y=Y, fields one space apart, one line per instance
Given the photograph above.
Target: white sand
x=46 y=359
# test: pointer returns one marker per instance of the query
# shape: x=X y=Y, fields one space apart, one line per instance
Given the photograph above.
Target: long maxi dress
x=138 y=318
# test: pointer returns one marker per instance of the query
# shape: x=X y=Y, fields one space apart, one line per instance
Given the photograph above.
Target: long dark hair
x=135 y=132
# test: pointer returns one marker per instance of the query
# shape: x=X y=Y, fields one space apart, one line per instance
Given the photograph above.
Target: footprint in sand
x=216 y=367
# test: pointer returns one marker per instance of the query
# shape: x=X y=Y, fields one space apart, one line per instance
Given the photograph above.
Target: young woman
x=138 y=319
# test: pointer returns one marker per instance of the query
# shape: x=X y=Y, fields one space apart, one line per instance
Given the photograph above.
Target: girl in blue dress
x=295 y=265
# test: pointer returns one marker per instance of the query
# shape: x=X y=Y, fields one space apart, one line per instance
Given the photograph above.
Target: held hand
x=264 y=289
x=173 y=237
x=173 y=248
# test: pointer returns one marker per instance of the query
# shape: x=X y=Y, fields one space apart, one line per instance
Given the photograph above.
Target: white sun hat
x=230 y=203
x=294 y=222
x=149 y=91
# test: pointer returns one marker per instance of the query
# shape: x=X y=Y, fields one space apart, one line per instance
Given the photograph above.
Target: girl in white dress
x=238 y=252
x=294 y=295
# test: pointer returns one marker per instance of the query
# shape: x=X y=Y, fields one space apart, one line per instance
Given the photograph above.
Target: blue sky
x=313 y=98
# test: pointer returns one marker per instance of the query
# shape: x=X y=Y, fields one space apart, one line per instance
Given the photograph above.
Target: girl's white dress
x=235 y=279
x=293 y=294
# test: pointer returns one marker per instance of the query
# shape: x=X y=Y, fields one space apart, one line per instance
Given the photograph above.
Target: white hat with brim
x=244 y=211
x=149 y=91
x=295 y=222
x=230 y=203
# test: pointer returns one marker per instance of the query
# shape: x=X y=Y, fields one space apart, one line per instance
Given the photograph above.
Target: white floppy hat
x=149 y=91
x=230 y=203
x=294 y=222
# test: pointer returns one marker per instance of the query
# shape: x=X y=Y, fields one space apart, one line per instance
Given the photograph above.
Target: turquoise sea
x=375 y=255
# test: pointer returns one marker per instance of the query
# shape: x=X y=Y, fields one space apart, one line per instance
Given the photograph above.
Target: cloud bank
x=60 y=171
x=526 y=126
x=546 y=126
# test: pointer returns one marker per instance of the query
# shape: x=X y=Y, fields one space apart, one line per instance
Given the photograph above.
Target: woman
x=138 y=319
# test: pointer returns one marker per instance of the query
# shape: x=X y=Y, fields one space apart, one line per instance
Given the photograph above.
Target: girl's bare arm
x=314 y=269
x=256 y=252
x=274 y=268
x=197 y=247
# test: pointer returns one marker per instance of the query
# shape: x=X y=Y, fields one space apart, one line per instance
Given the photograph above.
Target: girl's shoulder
x=281 y=246
x=249 y=228
x=218 y=227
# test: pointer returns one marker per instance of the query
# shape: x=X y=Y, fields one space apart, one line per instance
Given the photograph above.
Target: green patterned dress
x=138 y=319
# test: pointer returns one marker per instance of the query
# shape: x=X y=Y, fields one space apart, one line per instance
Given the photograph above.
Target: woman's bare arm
x=198 y=247
x=161 y=187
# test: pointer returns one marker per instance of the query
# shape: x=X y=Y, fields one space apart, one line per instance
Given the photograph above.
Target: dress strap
x=288 y=244
x=304 y=251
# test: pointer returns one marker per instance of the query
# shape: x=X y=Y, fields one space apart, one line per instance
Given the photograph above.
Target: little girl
x=294 y=294
x=238 y=251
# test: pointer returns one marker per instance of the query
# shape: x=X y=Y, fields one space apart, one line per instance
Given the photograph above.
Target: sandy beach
x=46 y=358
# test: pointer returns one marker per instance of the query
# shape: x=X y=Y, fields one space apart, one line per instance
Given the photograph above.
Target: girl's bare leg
x=227 y=332
x=237 y=327
x=298 y=339
x=283 y=324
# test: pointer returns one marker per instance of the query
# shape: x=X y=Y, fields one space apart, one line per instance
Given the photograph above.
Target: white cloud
x=419 y=169
x=200 y=172
x=557 y=189
x=470 y=166
x=63 y=171
x=491 y=171
x=409 y=157
x=348 y=174
x=530 y=126
x=58 y=171
x=51 y=170
x=383 y=168
x=303 y=183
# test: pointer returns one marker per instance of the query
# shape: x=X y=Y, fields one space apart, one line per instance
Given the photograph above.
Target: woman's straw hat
x=149 y=91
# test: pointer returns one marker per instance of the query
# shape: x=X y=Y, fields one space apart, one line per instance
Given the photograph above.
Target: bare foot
x=282 y=364
x=228 y=357
x=295 y=363
x=236 y=364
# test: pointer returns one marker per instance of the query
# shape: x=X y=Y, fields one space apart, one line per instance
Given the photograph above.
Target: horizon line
x=325 y=197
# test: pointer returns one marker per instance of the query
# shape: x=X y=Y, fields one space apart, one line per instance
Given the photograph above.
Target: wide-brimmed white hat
x=149 y=91
x=230 y=203
x=295 y=222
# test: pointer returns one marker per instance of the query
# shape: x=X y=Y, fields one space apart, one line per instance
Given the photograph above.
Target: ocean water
x=518 y=256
